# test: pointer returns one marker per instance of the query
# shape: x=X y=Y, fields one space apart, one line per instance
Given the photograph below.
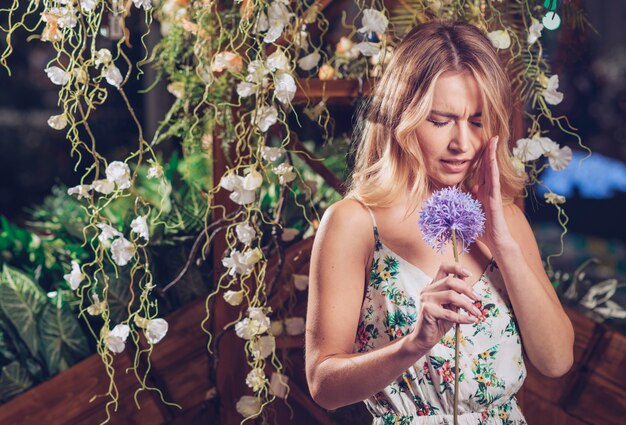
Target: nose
x=461 y=137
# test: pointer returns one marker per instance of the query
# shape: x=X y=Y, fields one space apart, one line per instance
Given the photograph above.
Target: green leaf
x=119 y=296
x=22 y=300
x=63 y=341
x=14 y=380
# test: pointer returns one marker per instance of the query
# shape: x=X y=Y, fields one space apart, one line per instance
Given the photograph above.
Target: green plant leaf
x=63 y=341
x=22 y=300
x=14 y=379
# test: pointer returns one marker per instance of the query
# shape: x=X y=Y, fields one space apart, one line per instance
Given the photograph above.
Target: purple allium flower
x=447 y=209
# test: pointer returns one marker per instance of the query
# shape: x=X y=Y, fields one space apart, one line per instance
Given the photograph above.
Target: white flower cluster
x=527 y=150
x=117 y=176
x=154 y=330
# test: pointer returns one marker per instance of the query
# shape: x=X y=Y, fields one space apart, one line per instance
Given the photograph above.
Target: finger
x=459 y=286
x=451 y=316
x=446 y=269
x=494 y=170
x=452 y=298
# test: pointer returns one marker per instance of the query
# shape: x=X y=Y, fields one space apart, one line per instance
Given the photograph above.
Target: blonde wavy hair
x=388 y=159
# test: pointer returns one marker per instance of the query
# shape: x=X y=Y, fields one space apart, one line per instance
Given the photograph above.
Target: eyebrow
x=454 y=116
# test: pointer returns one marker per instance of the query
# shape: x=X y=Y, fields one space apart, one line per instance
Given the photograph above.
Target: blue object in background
x=597 y=177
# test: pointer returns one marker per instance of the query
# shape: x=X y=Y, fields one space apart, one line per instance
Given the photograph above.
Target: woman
x=379 y=327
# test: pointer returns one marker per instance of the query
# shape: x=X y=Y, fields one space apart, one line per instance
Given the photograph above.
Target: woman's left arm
x=547 y=332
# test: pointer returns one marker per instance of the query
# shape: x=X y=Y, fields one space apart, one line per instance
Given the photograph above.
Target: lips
x=455 y=165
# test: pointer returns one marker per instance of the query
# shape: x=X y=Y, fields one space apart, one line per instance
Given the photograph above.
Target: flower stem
x=456 y=344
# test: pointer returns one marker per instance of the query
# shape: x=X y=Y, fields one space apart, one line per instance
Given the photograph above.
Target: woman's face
x=451 y=138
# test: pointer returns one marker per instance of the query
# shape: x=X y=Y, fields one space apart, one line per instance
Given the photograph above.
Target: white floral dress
x=491 y=365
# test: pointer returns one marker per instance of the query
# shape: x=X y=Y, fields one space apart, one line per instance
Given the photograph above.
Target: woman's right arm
x=336 y=376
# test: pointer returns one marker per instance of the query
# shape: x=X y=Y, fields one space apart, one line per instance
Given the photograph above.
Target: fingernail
x=477 y=311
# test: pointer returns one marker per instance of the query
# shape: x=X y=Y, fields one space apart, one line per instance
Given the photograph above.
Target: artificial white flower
x=534 y=32
x=301 y=281
x=75 y=277
x=309 y=61
x=242 y=263
x=234 y=183
x=257 y=71
x=107 y=232
x=103 y=186
x=289 y=234
x=272 y=154
x=58 y=122
x=294 y=326
x=57 y=75
x=116 y=339
x=261 y=25
x=140 y=226
x=553 y=198
x=284 y=172
x=278 y=17
x=146 y=4
x=81 y=75
x=51 y=32
x=256 y=379
x=122 y=251
x=550 y=93
x=285 y=88
x=245 y=89
x=345 y=48
x=276 y=327
x=248 y=406
x=518 y=165
x=500 y=39
x=253 y=180
x=245 y=233
x=67 y=17
x=559 y=158
x=118 y=172
x=233 y=297
x=82 y=191
x=278 y=385
x=249 y=327
x=265 y=117
x=367 y=49
x=156 y=171
x=156 y=330
x=113 y=75
x=97 y=307
x=528 y=149
x=373 y=21
x=278 y=61
x=230 y=61
x=262 y=346
x=383 y=57
x=103 y=57
x=301 y=40
x=88 y=5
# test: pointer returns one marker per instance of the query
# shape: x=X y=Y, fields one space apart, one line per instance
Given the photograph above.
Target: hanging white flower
x=301 y=281
x=156 y=330
x=97 y=307
x=559 y=158
x=58 y=122
x=67 y=17
x=57 y=75
x=284 y=172
x=518 y=165
x=294 y=326
x=122 y=251
x=230 y=61
x=156 y=171
x=245 y=89
x=253 y=180
x=262 y=346
x=278 y=17
x=88 y=5
x=107 y=232
x=550 y=93
x=240 y=195
x=534 y=32
x=75 y=277
x=245 y=233
x=82 y=191
x=301 y=40
x=248 y=406
x=261 y=25
x=373 y=21
x=146 y=4
x=242 y=263
x=103 y=57
x=309 y=61
x=289 y=234
x=500 y=39
x=346 y=48
x=367 y=49
x=81 y=75
x=233 y=297
x=256 y=379
x=272 y=154
x=257 y=71
x=140 y=226
x=103 y=186
x=285 y=88
x=247 y=328
x=116 y=339
x=278 y=385
x=113 y=75
x=278 y=61
x=265 y=117
x=118 y=172
x=553 y=198
x=528 y=149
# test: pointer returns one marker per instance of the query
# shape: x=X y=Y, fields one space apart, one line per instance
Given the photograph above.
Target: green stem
x=456 y=344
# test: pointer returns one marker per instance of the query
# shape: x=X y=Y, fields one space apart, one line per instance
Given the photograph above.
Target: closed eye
x=478 y=124
x=438 y=123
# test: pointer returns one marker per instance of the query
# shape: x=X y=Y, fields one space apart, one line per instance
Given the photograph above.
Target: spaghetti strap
x=376 y=236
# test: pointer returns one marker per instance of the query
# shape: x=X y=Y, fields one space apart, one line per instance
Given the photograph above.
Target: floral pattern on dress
x=491 y=363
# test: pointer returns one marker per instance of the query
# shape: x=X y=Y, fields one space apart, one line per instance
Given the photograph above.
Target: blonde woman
x=381 y=302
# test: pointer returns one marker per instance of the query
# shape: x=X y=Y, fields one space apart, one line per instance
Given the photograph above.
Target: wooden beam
x=332 y=89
